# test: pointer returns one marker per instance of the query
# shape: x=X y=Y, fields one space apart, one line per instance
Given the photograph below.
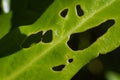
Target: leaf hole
x=79 y=10
x=82 y=40
x=34 y=38
x=64 y=12
x=58 y=68
x=47 y=37
x=70 y=60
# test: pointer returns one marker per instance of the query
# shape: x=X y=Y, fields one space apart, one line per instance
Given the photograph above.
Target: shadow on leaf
x=15 y=41
x=26 y=14
x=10 y=43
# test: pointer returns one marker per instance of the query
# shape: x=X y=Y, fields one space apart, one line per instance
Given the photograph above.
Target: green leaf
x=54 y=59
x=5 y=24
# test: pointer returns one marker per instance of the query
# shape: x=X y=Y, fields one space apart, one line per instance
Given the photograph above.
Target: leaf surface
x=43 y=60
x=5 y=24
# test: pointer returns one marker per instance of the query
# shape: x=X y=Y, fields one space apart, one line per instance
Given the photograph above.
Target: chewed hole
x=64 y=12
x=34 y=38
x=79 y=10
x=101 y=29
x=47 y=37
x=58 y=68
x=82 y=40
x=70 y=60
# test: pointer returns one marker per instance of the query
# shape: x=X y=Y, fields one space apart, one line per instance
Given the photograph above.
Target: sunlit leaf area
x=59 y=40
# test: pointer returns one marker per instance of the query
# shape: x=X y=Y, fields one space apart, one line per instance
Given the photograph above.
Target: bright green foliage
x=37 y=61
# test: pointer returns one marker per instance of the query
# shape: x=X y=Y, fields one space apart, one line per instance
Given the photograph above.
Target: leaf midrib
x=36 y=58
